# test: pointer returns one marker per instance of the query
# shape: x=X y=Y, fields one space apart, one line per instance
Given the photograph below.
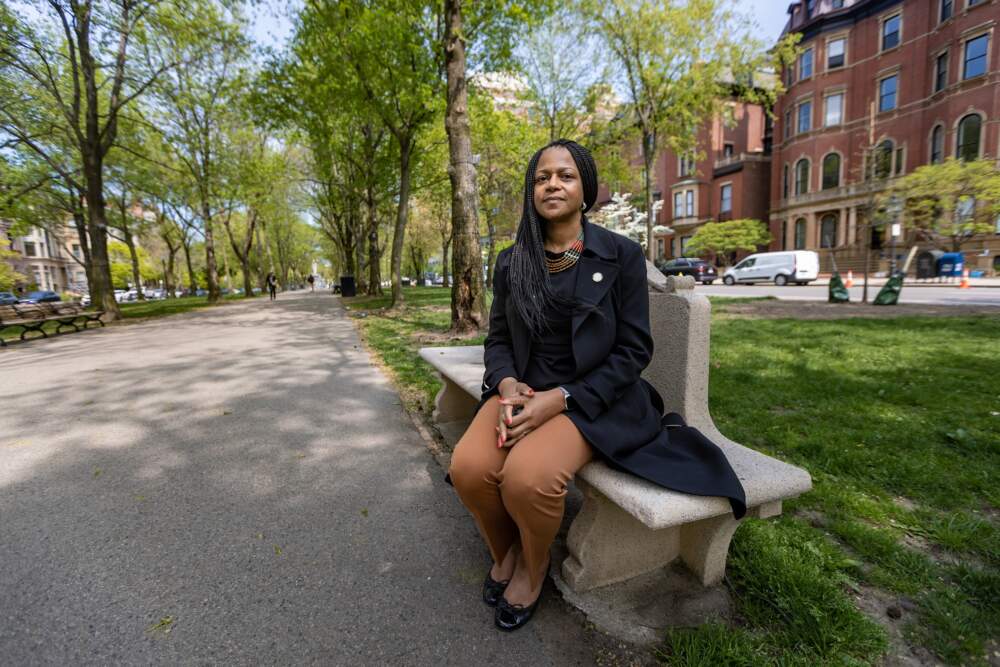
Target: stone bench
x=627 y=526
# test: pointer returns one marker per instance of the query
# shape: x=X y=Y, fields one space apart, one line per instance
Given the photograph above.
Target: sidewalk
x=238 y=485
x=859 y=279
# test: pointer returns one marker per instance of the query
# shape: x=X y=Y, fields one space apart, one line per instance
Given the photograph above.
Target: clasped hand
x=536 y=409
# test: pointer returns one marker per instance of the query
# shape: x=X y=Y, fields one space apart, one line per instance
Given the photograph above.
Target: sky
x=272 y=25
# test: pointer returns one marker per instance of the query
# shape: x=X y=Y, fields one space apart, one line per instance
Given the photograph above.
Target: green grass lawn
x=897 y=420
x=133 y=310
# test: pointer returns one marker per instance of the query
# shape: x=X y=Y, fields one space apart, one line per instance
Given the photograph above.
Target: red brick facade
x=922 y=69
x=731 y=181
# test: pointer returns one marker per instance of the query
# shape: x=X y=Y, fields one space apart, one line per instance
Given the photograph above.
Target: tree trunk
x=649 y=160
x=192 y=281
x=97 y=229
x=491 y=244
x=134 y=257
x=211 y=272
x=168 y=277
x=261 y=273
x=374 y=253
x=402 y=213
x=468 y=307
x=445 y=244
x=80 y=221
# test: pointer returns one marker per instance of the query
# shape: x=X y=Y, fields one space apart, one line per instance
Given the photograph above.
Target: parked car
x=796 y=266
x=7 y=298
x=41 y=296
x=701 y=270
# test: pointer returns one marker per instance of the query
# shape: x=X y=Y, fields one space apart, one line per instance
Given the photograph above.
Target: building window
x=975 y=57
x=789 y=75
x=900 y=162
x=805 y=117
x=686 y=166
x=784 y=182
x=838 y=4
x=659 y=247
x=941 y=72
x=29 y=249
x=689 y=197
x=806 y=64
x=969 y=131
x=678 y=204
x=727 y=150
x=882 y=159
x=835 y=52
x=828 y=231
x=810 y=8
x=831 y=171
x=834 y=112
x=800 y=234
x=801 y=177
x=937 y=144
x=788 y=124
x=76 y=251
x=887 y=93
x=890 y=32
x=973 y=3
x=727 y=199
x=946 y=9
x=684 y=245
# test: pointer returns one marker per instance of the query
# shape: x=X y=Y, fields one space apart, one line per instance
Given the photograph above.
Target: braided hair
x=527 y=273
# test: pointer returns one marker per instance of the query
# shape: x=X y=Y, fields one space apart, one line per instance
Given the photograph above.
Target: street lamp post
x=894 y=209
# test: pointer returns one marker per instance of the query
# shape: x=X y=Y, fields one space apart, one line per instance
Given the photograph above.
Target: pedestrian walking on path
x=272 y=285
x=312 y=282
x=569 y=337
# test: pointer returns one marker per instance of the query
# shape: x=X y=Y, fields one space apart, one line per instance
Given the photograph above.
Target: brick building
x=730 y=181
x=927 y=71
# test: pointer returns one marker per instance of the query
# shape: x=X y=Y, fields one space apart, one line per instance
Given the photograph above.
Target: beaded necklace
x=567 y=258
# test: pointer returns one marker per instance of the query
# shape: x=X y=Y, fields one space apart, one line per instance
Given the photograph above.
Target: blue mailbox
x=950 y=264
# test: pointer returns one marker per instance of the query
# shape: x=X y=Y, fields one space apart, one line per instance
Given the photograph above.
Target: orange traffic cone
x=965 y=280
x=850 y=279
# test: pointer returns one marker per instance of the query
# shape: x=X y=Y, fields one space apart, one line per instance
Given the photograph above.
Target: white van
x=794 y=266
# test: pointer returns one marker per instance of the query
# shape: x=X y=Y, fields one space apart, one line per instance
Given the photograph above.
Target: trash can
x=927 y=264
x=347 y=287
x=950 y=264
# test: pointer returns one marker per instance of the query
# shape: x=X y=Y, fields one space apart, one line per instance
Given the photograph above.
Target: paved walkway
x=236 y=485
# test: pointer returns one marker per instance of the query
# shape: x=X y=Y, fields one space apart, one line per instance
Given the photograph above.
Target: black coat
x=617 y=411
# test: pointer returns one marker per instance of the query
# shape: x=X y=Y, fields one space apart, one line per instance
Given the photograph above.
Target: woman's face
x=558 y=188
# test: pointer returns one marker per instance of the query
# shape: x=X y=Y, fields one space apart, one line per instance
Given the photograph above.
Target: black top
x=551 y=362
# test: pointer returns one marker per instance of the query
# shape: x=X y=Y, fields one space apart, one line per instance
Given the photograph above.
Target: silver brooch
x=598 y=277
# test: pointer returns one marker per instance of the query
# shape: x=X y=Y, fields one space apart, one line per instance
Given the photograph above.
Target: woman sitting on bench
x=569 y=337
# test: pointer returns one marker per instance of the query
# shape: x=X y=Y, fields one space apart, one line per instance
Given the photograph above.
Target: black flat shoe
x=493 y=590
x=509 y=617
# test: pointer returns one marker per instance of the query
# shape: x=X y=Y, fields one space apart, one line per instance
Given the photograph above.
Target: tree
x=726 y=238
x=680 y=61
x=556 y=60
x=68 y=70
x=621 y=216
x=196 y=109
x=951 y=201
x=8 y=276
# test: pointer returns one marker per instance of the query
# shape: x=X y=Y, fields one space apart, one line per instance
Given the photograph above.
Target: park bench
x=33 y=316
x=628 y=526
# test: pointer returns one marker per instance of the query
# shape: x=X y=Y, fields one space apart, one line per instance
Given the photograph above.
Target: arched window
x=802 y=177
x=831 y=171
x=937 y=144
x=828 y=231
x=970 y=129
x=800 y=234
x=881 y=166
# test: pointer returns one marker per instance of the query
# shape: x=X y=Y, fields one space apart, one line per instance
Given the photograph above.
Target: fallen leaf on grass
x=277 y=550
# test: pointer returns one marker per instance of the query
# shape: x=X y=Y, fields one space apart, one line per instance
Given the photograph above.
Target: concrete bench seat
x=628 y=526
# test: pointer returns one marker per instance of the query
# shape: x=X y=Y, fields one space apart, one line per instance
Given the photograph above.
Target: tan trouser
x=517 y=492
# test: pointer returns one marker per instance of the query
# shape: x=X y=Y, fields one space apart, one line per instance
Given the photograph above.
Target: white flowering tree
x=622 y=217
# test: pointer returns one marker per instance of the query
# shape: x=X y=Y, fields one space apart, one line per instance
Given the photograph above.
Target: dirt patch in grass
x=820 y=310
